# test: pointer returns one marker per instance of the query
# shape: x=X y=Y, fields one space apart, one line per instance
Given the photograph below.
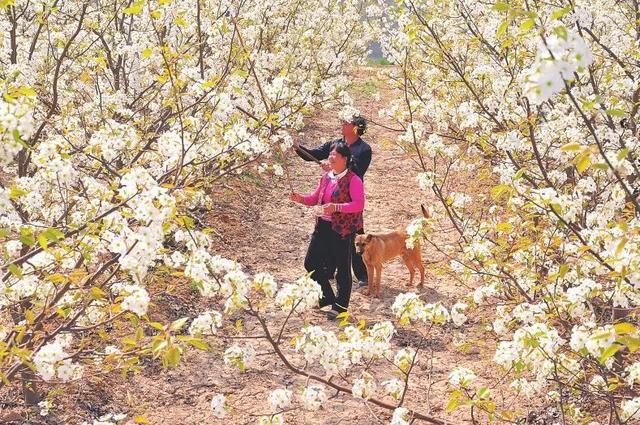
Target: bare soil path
x=259 y=227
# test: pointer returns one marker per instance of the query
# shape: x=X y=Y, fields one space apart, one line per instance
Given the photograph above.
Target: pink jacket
x=326 y=187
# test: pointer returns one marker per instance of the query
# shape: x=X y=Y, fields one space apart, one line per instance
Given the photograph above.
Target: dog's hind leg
x=421 y=268
x=412 y=270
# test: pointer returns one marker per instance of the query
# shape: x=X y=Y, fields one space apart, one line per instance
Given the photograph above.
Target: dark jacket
x=360 y=154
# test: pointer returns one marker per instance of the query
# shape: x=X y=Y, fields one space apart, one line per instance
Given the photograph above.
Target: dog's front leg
x=370 y=277
x=378 y=279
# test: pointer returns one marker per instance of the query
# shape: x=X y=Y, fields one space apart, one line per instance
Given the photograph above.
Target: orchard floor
x=259 y=227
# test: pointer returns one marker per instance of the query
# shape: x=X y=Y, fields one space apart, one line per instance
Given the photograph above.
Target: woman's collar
x=338 y=176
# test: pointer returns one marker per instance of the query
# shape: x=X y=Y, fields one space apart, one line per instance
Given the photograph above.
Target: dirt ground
x=259 y=227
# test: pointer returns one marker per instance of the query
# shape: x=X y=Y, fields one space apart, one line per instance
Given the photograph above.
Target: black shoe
x=335 y=311
x=333 y=314
x=362 y=283
x=322 y=305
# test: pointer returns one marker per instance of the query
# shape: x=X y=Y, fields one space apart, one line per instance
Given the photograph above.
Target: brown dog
x=378 y=248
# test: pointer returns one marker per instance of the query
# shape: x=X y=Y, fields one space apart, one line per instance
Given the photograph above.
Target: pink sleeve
x=310 y=199
x=356 y=191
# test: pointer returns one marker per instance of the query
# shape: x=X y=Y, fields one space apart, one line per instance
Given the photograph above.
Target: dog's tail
x=425 y=212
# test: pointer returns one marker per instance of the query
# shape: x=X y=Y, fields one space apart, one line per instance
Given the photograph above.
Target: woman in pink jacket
x=339 y=200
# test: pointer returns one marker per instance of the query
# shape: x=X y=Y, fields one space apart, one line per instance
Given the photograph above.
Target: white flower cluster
x=394 y=387
x=533 y=347
x=347 y=112
x=630 y=410
x=364 y=387
x=206 y=324
x=462 y=377
x=112 y=139
x=52 y=361
x=108 y=419
x=280 y=399
x=633 y=374
x=457 y=313
x=313 y=397
x=136 y=298
x=408 y=307
x=426 y=180
x=239 y=357
x=557 y=60
x=266 y=283
x=401 y=416
x=272 y=420
x=218 y=406
x=45 y=406
x=16 y=123
x=404 y=358
x=415 y=230
x=355 y=346
x=304 y=294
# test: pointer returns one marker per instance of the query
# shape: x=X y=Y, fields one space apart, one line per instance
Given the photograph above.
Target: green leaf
x=198 y=343
x=157 y=346
x=53 y=234
x=527 y=24
x=571 y=147
x=18 y=139
x=135 y=8
x=27 y=91
x=499 y=190
x=609 y=352
x=97 y=293
x=559 y=13
x=501 y=6
x=583 y=163
x=15 y=270
x=43 y=241
x=172 y=356
x=26 y=236
x=632 y=343
x=519 y=174
x=621 y=246
x=455 y=400
x=178 y=324
x=625 y=329
x=502 y=29
x=614 y=112
x=561 y=31
x=3 y=5
x=15 y=193
x=622 y=154
x=157 y=325
x=483 y=393
x=600 y=166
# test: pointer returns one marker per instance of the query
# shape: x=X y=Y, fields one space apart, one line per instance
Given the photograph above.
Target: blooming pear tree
x=535 y=104
x=115 y=120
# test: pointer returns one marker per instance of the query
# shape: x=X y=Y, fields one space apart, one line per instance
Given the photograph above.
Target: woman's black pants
x=328 y=252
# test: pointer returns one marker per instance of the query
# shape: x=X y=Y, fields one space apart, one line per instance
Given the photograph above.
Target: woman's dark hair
x=343 y=149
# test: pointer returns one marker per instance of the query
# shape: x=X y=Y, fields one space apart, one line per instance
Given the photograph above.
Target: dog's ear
x=368 y=238
x=425 y=212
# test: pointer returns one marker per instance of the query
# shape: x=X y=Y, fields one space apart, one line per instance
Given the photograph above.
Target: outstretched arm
x=317 y=154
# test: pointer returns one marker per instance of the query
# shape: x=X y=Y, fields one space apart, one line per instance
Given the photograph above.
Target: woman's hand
x=325 y=166
x=296 y=197
x=328 y=209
